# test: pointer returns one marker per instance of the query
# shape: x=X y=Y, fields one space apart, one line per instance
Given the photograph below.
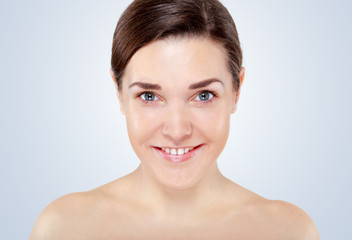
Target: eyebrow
x=145 y=85
x=152 y=86
x=204 y=83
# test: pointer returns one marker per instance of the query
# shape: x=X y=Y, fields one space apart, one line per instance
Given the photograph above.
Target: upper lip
x=164 y=147
x=175 y=147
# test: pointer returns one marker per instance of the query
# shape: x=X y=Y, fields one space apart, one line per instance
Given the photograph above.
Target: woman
x=178 y=71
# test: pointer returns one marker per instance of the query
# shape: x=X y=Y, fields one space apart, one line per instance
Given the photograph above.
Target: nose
x=177 y=125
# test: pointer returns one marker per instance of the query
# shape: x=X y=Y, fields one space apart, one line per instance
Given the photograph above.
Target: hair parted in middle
x=145 y=21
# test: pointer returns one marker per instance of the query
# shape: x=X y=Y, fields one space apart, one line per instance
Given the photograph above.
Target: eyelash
x=207 y=101
x=139 y=95
x=202 y=102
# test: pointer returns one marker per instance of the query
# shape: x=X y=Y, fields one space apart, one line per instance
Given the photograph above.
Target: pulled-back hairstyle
x=145 y=21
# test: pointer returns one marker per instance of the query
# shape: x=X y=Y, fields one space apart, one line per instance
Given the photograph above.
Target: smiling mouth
x=177 y=151
x=177 y=154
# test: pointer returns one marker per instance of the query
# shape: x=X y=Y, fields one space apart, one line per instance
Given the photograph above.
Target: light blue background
x=61 y=130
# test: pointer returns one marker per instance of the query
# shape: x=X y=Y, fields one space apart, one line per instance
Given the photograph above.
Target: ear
x=237 y=93
x=118 y=92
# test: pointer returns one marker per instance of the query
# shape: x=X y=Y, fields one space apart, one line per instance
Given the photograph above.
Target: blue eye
x=204 y=96
x=149 y=96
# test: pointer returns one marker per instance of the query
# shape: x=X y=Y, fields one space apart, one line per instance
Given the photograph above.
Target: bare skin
x=122 y=209
x=188 y=107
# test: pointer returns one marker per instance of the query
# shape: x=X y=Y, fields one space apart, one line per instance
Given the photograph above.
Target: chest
x=131 y=227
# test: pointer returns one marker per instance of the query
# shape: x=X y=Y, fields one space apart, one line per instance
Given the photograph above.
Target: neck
x=168 y=201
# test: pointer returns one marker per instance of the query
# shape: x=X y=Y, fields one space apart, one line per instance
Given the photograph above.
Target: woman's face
x=177 y=97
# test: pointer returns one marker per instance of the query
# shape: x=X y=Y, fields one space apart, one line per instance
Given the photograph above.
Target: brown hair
x=145 y=21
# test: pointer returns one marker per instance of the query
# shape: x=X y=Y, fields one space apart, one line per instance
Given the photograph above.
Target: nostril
x=177 y=134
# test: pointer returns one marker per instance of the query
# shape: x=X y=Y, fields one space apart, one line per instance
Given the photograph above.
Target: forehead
x=178 y=59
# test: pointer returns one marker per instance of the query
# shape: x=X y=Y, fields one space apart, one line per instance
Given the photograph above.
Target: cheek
x=214 y=123
x=141 y=123
x=145 y=123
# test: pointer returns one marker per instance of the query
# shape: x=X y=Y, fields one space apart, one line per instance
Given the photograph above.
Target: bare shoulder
x=57 y=216
x=271 y=219
x=63 y=218
x=82 y=215
x=287 y=220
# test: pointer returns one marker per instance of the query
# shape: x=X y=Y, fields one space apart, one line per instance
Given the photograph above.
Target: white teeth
x=173 y=151
x=180 y=151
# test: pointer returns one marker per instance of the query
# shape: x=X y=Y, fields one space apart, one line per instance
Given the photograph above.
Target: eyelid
x=138 y=95
x=214 y=95
x=208 y=91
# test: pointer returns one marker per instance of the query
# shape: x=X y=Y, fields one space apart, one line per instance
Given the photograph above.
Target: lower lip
x=178 y=158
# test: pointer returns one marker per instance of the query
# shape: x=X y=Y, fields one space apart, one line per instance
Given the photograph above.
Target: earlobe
x=122 y=109
x=118 y=93
x=235 y=100
x=237 y=94
x=234 y=108
x=113 y=78
x=242 y=73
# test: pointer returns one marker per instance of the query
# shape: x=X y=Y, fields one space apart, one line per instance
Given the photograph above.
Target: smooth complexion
x=177 y=97
x=191 y=99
